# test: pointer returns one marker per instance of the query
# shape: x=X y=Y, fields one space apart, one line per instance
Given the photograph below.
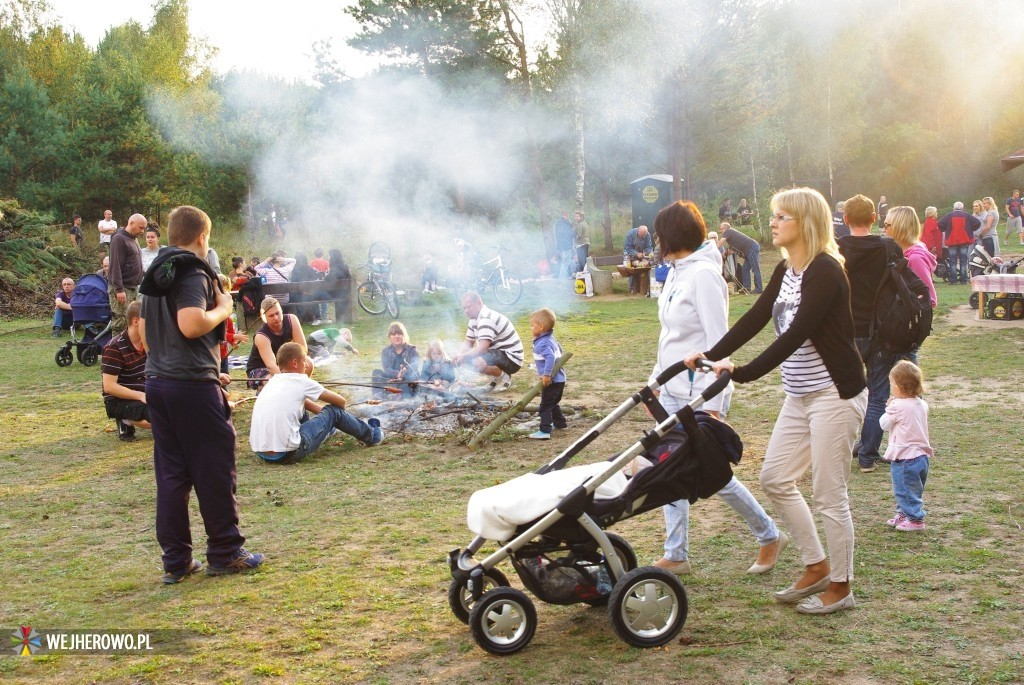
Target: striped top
x=490 y=325
x=121 y=359
x=803 y=372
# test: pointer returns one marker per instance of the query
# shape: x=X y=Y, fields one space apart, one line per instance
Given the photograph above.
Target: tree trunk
x=606 y=201
x=577 y=125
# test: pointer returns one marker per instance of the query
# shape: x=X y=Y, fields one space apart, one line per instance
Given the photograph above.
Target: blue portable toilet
x=650 y=194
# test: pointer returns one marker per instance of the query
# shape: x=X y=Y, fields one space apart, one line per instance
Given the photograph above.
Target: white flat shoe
x=791 y=595
x=758 y=569
x=814 y=605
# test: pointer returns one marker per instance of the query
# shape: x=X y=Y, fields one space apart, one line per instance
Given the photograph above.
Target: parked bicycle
x=377 y=293
x=490 y=276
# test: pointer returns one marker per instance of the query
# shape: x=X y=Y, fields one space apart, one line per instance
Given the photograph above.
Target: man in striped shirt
x=124 y=377
x=492 y=345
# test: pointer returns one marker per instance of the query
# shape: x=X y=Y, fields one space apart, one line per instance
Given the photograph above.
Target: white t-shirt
x=278 y=412
x=104 y=238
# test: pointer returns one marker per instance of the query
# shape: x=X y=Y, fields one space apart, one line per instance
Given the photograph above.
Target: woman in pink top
x=909 y=453
x=903 y=226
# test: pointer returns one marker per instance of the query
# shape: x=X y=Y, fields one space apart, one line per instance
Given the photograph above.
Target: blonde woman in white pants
x=808 y=301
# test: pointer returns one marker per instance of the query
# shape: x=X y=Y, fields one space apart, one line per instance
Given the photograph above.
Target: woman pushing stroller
x=694 y=312
x=808 y=300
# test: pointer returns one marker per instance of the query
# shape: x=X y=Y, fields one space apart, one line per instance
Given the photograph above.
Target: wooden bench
x=316 y=292
x=607 y=261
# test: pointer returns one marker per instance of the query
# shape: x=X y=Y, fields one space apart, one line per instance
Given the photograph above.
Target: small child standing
x=546 y=352
x=906 y=417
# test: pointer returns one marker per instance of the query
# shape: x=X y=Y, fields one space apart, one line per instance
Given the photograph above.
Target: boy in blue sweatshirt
x=546 y=352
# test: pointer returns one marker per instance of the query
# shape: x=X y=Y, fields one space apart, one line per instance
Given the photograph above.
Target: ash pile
x=432 y=415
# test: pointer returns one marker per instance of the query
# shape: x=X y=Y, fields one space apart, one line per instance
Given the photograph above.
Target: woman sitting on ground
x=400 y=362
x=277 y=329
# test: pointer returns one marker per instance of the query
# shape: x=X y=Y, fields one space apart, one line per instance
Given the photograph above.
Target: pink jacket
x=922 y=263
x=907 y=420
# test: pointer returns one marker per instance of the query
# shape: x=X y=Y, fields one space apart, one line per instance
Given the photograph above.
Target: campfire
x=431 y=415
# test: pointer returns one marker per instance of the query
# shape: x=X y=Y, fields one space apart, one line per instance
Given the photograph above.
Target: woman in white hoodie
x=694 y=312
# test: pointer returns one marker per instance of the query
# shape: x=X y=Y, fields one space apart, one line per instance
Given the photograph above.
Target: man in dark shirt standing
x=182 y=325
x=125 y=272
x=865 y=256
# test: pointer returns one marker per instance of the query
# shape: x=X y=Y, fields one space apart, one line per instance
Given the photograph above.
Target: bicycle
x=492 y=275
x=377 y=293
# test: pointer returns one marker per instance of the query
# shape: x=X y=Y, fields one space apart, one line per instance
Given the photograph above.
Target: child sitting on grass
x=546 y=352
x=906 y=417
x=437 y=373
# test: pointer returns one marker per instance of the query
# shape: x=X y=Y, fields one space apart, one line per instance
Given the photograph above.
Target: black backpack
x=251 y=296
x=903 y=309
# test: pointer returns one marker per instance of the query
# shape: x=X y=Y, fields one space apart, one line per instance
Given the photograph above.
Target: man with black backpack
x=867 y=264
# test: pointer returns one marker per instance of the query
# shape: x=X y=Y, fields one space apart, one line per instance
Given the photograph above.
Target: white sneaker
x=503 y=383
x=316 y=322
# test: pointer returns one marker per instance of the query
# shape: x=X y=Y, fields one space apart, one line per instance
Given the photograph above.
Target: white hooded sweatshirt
x=694 y=312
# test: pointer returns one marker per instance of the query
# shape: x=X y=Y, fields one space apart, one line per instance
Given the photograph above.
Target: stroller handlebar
x=718 y=386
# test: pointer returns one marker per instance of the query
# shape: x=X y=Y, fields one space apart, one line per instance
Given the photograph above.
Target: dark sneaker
x=57 y=333
x=125 y=431
x=171 y=578
x=240 y=561
x=378 y=432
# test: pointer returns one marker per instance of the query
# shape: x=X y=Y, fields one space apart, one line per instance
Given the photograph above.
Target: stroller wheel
x=64 y=357
x=460 y=599
x=648 y=607
x=626 y=556
x=503 y=621
x=89 y=355
x=974 y=300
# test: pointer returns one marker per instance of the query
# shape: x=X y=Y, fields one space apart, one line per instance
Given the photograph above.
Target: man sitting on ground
x=124 y=377
x=62 y=317
x=281 y=431
x=492 y=345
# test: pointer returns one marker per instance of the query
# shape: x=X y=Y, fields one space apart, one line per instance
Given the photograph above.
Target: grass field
x=354 y=589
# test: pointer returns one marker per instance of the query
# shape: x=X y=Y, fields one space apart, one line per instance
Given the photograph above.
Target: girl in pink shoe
x=906 y=419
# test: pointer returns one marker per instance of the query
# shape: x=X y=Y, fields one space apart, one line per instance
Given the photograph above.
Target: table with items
x=1000 y=296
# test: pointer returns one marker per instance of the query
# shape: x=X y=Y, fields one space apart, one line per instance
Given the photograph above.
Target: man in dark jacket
x=126 y=271
x=865 y=256
x=958 y=227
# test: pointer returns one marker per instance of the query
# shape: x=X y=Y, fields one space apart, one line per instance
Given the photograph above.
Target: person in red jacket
x=958 y=227
x=931 y=236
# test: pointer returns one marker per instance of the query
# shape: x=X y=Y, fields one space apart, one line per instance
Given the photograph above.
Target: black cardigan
x=823 y=316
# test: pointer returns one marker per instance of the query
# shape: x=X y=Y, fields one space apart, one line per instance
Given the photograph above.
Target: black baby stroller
x=564 y=555
x=90 y=327
x=980 y=263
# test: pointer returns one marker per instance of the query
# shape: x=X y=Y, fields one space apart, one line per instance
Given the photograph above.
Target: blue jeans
x=879 y=363
x=61 y=318
x=751 y=265
x=314 y=431
x=735 y=494
x=958 y=253
x=908 y=479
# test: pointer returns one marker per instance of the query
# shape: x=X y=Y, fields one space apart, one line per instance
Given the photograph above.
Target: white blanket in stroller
x=495 y=512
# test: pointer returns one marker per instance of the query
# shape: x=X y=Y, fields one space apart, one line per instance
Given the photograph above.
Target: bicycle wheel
x=371 y=298
x=391 y=299
x=509 y=289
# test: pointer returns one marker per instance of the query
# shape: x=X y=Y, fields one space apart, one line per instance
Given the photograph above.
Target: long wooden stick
x=502 y=418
